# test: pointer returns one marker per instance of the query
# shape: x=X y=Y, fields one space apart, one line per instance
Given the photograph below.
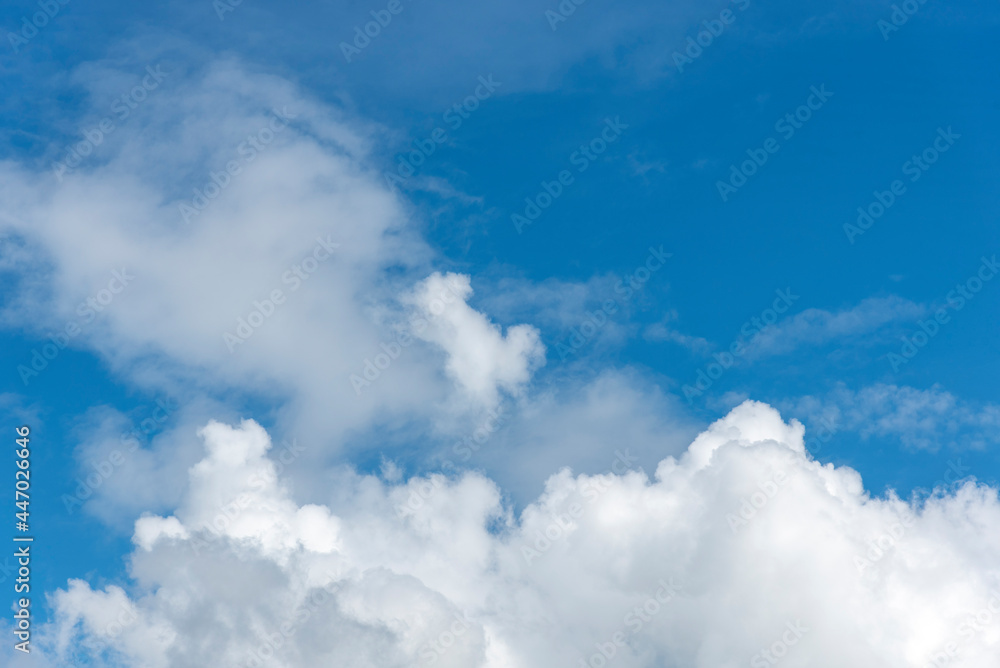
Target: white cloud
x=928 y=419
x=817 y=327
x=665 y=331
x=120 y=456
x=741 y=546
x=272 y=227
x=248 y=565
x=580 y=418
x=480 y=358
x=308 y=214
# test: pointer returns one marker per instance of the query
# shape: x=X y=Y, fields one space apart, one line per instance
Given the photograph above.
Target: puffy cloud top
x=743 y=551
x=480 y=358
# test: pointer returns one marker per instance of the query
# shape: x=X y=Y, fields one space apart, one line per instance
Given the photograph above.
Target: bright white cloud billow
x=480 y=358
x=743 y=551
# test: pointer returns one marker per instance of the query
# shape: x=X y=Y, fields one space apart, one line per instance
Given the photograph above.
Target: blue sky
x=826 y=360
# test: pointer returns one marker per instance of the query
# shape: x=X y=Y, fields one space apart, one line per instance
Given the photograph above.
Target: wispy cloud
x=928 y=419
x=665 y=331
x=861 y=324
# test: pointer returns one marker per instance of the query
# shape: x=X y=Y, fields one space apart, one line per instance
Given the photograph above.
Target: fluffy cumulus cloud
x=480 y=358
x=741 y=551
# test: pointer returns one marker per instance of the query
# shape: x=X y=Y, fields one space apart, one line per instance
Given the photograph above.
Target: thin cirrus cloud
x=817 y=327
x=921 y=419
x=665 y=331
x=867 y=321
x=740 y=551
